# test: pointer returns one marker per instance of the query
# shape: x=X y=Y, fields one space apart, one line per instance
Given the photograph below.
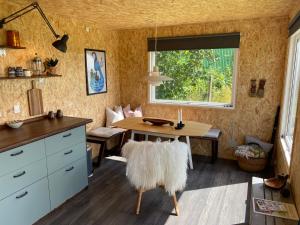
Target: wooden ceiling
x=126 y=14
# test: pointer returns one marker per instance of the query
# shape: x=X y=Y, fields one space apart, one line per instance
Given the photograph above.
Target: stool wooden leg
x=176 y=205
x=138 y=203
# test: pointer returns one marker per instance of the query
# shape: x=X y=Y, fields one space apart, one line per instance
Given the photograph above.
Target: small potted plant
x=50 y=65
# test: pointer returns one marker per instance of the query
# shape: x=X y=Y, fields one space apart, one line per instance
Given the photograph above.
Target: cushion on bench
x=213 y=133
x=105 y=132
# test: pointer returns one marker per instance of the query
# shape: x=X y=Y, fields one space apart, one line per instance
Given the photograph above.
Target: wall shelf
x=11 y=47
x=32 y=77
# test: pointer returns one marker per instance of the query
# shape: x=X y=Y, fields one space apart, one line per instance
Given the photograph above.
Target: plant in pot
x=51 y=65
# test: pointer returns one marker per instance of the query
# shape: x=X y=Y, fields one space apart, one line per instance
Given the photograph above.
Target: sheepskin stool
x=151 y=164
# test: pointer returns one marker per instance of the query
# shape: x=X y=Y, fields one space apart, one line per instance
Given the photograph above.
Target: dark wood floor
x=216 y=194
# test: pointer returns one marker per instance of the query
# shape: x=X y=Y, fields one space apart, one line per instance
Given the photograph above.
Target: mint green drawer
x=22 y=177
x=26 y=206
x=21 y=156
x=65 y=157
x=65 y=183
x=64 y=140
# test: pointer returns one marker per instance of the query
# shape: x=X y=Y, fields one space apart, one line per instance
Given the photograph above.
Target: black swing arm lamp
x=60 y=44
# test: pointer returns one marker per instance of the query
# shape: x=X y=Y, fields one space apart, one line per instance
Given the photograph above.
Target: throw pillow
x=130 y=113
x=112 y=117
x=264 y=145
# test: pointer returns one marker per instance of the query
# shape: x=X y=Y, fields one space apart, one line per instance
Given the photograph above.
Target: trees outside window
x=204 y=76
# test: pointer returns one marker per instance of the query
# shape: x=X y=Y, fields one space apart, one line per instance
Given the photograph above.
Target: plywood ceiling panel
x=126 y=14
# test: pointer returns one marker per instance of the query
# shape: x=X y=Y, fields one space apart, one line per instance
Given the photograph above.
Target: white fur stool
x=156 y=163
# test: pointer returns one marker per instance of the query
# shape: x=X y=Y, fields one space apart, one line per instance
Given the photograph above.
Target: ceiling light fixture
x=60 y=44
x=155 y=77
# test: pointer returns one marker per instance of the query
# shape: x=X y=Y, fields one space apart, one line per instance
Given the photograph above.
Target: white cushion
x=118 y=109
x=112 y=116
x=105 y=131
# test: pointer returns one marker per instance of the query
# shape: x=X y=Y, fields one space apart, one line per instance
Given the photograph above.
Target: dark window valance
x=294 y=24
x=231 y=40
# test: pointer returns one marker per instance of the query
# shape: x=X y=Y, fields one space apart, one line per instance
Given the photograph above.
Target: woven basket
x=252 y=164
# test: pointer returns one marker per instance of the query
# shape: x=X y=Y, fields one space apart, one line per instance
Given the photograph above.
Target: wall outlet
x=17 y=108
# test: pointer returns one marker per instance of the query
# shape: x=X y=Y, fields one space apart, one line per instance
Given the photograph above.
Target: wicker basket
x=252 y=164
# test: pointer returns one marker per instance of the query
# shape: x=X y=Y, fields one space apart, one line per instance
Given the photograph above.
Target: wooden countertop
x=35 y=130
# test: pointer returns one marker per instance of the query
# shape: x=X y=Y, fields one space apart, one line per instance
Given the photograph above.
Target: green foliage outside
x=198 y=75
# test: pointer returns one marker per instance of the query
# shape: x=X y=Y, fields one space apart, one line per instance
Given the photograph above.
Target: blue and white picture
x=95 y=66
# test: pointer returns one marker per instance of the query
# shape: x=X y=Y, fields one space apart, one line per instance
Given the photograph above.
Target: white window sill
x=286 y=151
x=193 y=104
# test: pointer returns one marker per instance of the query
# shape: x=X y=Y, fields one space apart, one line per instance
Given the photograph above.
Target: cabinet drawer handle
x=17 y=153
x=22 y=195
x=71 y=168
x=67 y=135
x=69 y=152
x=20 y=174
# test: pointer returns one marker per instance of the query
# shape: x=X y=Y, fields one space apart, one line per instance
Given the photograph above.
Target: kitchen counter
x=36 y=129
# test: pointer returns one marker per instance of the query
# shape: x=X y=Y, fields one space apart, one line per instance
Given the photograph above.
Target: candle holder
x=179 y=125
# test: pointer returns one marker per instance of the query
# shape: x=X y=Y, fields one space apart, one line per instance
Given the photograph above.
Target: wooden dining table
x=190 y=129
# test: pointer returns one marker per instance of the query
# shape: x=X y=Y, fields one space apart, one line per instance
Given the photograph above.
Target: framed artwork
x=95 y=69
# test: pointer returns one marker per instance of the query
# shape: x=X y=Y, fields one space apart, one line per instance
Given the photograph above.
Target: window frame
x=291 y=77
x=153 y=100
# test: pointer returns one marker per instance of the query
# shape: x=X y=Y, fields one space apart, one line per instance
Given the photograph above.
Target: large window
x=291 y=94
x=203 y=69
x=200 y=77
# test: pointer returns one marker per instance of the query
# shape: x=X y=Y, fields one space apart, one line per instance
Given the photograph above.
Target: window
x=291 y=94
x=201 y=76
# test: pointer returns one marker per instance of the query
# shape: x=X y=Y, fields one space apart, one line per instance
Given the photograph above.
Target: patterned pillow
x=130 y=113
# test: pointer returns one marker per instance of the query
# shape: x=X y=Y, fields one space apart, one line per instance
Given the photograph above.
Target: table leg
x=189 y=152
x=132 y=135
x=146 y=137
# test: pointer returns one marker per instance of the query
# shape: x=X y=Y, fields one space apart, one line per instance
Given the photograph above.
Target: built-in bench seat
x=102 y=135
x=213 y=135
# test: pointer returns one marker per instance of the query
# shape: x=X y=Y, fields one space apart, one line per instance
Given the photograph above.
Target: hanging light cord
x=155 y=45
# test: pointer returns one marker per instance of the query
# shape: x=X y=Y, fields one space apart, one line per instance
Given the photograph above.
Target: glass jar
x=37 y=65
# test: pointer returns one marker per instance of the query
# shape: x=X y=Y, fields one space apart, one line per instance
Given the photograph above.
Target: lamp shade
x=155 y=78
x=61 y=44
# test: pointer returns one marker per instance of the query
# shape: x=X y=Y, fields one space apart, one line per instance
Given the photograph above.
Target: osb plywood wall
x=295 y=9
x=262 y=55
x=69 y=91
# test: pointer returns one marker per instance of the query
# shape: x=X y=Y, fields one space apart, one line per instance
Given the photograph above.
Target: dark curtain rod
x=212 y=41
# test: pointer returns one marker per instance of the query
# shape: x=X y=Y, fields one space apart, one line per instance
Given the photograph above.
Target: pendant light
x=155 y=78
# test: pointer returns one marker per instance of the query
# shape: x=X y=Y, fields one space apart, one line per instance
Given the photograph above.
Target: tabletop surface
x=191 y=128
